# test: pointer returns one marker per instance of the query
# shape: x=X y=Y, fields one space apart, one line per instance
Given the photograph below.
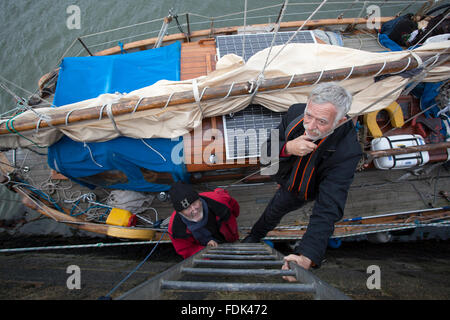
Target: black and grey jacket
x=324 y=175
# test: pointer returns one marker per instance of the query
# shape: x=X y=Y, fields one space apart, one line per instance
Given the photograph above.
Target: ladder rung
x=242 y=246
x=238 y=257
x=237 y=272
x=239 y=266
x=238 y=262
x=235 y=286
x=230 y=251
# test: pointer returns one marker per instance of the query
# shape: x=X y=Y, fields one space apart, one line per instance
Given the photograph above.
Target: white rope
x=101 y=112
x=149 y=146
x=260 y=78
x=196 y=95
x=78 y=246
x=229 y=92
x=289 y=83
x=37 y=125
x=86 y=197
x=417 y=57
x=298 y=30
x=137 y=105
x=261 y=74
x=90 y=153
x=67 y=117
x=409 y=62
x=111 y=117
x=349 y=74
x=381 y=70
x=245 y=25
x=319 y=78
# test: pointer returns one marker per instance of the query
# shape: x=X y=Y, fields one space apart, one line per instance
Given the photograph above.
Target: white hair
x=334 y=94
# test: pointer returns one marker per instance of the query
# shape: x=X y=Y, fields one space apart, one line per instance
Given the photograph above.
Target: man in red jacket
x=200 y=220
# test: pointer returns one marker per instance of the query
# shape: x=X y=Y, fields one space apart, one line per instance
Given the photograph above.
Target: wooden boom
x=125 y=106
x=392 y=152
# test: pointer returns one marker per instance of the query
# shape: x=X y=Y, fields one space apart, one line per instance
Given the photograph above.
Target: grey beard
x=197 y=220
x=321 y=136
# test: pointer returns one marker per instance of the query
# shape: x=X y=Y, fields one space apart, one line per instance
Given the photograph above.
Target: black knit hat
x=182 y=195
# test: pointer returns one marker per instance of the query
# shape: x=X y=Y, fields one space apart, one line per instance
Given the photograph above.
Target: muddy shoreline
x=409 y=270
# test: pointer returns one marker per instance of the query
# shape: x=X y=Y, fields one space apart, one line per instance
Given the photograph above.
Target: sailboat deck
x=373 y=192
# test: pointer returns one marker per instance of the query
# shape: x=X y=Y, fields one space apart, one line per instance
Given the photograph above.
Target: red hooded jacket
x=226 y=210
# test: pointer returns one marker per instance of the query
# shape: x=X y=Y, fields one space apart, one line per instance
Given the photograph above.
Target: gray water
x=34 y=34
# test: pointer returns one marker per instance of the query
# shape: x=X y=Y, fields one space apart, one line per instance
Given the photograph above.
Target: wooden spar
x=391 y=152
x=233 y=30
x=126 y=106
x=377 y=223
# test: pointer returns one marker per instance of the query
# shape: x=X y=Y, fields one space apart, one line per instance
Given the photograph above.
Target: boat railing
x=189 y=22
x=189 y=26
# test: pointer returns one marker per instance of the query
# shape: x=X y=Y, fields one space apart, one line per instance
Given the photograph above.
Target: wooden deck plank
x=196 y=59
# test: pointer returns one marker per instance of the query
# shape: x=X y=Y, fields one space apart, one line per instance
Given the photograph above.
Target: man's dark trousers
x=282 y=203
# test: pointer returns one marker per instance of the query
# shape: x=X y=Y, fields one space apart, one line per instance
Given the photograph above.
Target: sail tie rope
x=290 y=81
x=141 y=98
x=67 y=117
x=168 y=100
x=111 y=117
x=137 y=105
x=229 y=92
x=319 y=78
x=198 y=97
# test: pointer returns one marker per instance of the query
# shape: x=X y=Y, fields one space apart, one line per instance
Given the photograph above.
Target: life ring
x=395 y=114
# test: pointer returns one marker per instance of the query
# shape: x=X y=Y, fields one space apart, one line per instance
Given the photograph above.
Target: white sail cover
x=175 y=121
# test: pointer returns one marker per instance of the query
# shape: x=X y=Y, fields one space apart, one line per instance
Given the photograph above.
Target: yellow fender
x=395 y=114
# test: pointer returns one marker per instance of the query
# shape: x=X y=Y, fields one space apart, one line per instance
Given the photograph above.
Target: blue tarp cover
x=121 y=155
x=82 y=78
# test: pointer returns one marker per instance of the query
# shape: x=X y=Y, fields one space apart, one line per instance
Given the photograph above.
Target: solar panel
x=246 y=130
x=257 y=42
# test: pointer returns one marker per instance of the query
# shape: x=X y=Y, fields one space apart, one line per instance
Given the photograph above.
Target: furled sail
x=169 y=109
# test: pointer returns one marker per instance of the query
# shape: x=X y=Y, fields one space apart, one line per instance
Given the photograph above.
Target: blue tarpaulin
x=131 y=164
x=82 y=78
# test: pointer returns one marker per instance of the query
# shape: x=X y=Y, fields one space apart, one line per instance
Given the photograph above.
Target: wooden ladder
x=234 y=260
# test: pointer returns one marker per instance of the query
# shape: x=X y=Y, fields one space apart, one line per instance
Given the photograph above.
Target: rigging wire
x=269 y=54
x=108 y=295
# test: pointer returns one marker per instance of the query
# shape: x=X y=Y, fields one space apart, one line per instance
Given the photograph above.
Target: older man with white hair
x=318 y=152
